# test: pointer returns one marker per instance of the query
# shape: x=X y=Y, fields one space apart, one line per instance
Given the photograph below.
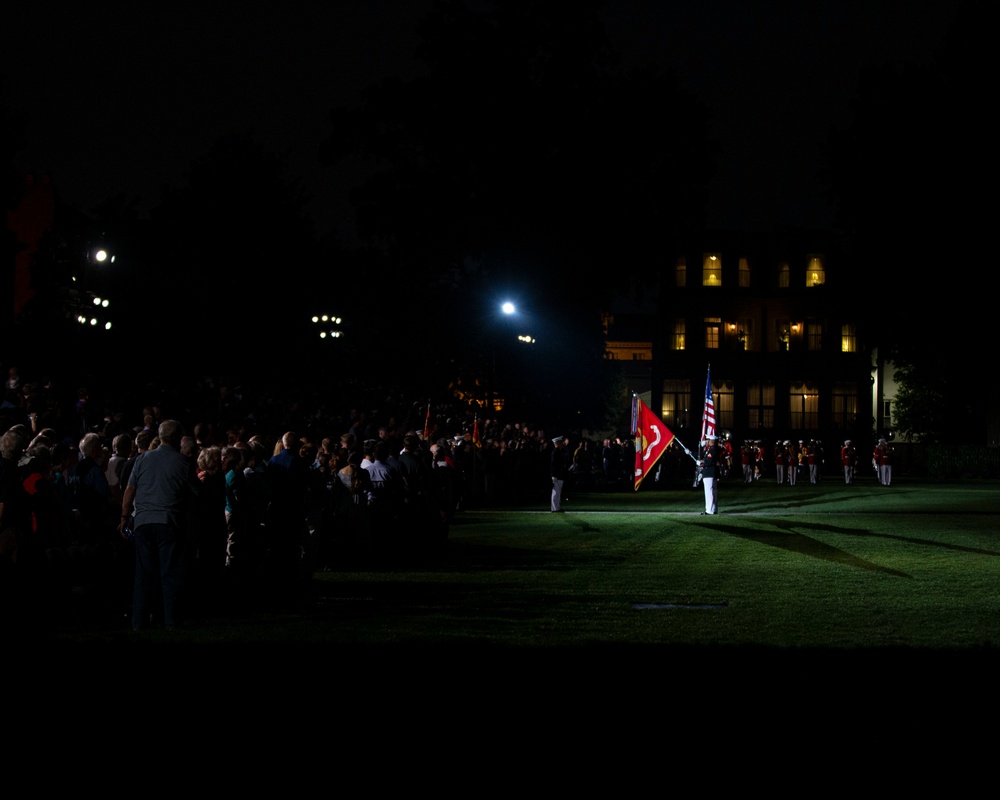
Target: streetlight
x=327 y=325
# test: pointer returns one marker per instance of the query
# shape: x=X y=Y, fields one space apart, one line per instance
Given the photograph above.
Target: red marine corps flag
x=651 y=439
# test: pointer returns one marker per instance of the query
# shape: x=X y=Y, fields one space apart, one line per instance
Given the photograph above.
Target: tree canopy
x=522 y=161
x=911 y=175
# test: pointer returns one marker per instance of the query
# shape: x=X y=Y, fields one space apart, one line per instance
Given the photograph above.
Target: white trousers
x=557 y=488
x=711 y=495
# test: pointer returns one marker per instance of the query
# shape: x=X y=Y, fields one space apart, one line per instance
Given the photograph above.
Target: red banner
x=651 y=438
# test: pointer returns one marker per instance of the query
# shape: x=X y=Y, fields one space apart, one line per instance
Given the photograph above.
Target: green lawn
x=794 y=569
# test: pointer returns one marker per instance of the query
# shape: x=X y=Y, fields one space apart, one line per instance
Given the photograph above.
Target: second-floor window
x=783 y=275
x=815 y=273
x=713 y=332
x=783 y=328
x=744 y=273
x=848 y=338
x=680 y=272
x=711 y=271
x=677 y=336
x=814 y=335
x=674 y=411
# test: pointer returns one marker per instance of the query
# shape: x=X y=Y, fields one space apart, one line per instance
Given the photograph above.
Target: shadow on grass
x=804 y=545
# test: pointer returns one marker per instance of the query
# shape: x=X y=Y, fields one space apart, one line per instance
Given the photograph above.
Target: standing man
x=560 y=469
x=848 y=457
x=780 y=460
x=159 y=488
x=711 y=464
x=883 y=462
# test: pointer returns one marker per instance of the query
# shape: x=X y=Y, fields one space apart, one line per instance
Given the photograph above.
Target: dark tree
x=912 y=176
x=234 y=255
x=522 y=161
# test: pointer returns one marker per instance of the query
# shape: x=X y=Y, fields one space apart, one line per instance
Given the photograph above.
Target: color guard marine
x=848 y=459
x=882 y=461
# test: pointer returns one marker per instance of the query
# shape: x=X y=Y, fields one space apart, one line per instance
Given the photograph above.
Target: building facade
x=781 y=332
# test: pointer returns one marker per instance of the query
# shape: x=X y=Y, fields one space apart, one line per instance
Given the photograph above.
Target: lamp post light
x=89 y=305
x=510 y=339
x=327 y=326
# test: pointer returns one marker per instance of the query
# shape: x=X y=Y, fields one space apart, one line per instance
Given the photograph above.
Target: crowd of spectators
x=363 y=480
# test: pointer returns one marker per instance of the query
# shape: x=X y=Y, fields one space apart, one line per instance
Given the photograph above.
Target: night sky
x=122 y=103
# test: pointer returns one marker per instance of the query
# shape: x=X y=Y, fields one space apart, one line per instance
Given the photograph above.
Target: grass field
x=812 y=568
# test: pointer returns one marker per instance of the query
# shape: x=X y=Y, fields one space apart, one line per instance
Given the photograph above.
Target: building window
x=745 y=339
x=844 y=401
x=783 y=330
x=804 y=407
x=674 y=411
x=677 y=337
x=713 y=332
x=760 y=406
x=744 y=273
x=680 y=272
x=848 y=338
x=722 y=397
x=814 y=336
x=815 y=274
x=783 y=273
x=711 y=270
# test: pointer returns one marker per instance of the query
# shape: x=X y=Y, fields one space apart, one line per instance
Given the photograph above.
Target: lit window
x=848 y=338
x=711 y=270
x=760 y=405
x=783 y=273
x=674 y=410
x=722 y=396
x=713 y=332
x=744 y=334
x=680 y=272
x=804 y=406
x=783 y=329
x=677 y=339
x=815 y=274
x=814 y=336
x=744 y=273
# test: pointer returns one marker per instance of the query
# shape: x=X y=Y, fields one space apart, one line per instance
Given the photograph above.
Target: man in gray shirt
x=155 y=501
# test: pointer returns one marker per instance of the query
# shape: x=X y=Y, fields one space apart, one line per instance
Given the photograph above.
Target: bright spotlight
x=508 y=308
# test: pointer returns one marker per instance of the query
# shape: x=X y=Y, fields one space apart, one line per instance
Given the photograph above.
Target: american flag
x=708 y=417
